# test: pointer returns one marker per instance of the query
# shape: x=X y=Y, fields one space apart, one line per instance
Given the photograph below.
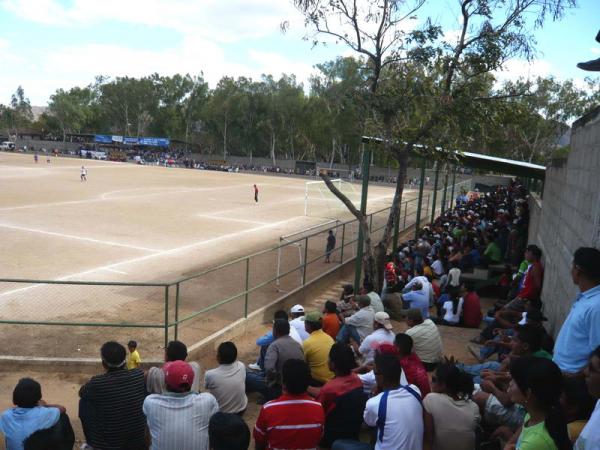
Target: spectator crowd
x=342 y=377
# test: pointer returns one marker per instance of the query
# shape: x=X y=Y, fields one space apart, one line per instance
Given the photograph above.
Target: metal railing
x=188 y=309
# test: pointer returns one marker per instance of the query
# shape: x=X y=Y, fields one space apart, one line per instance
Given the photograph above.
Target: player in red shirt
x=255 y=194
x=294 y=420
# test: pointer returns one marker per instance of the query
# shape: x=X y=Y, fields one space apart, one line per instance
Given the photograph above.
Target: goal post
x=319 y=201
x=343 y=174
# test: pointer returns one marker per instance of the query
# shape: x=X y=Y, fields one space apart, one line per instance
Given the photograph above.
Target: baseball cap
x=297 y=309
x=178 y=375
x=383 y=318
x=313 y=316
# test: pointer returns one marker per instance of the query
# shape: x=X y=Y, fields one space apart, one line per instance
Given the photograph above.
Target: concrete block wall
x=568 y=217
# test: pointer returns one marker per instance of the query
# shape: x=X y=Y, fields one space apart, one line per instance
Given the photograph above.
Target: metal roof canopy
x=486 y=162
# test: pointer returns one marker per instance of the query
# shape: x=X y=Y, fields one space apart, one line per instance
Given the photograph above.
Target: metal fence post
x=427 y=209
x=247 y=287
x=305 y=259
x=343 y=239
x=397 y=229
x=166 y=315
x=405 y=208
x=176 y=310
x=453 y=185
x=420 y=201
x=371 y=222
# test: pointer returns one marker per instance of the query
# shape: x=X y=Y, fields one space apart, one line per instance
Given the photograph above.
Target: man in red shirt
x=294 y=420
x=471 y=307
x=412 y=366
x=255 y=194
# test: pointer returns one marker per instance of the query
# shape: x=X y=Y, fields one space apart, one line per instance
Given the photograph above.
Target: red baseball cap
x=179 y=375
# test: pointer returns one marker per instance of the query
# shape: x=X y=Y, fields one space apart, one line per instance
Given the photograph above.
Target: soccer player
x=83 y=174
x=255 y=194
x=35 y=157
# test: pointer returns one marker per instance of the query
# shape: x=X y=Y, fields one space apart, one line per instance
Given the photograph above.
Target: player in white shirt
x=83 y=175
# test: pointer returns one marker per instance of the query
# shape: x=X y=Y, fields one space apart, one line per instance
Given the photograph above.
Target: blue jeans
x=257 y=382
x=349 y=444
x=347 y=332
x=475 y=369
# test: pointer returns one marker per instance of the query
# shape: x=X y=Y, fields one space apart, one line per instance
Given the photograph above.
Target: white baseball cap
x=383 y=318
x=297 y=309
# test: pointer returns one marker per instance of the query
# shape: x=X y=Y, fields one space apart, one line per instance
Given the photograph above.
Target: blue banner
x=103 y=139
x=150 y=141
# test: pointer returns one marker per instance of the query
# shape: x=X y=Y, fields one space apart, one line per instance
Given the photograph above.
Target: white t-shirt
x=372 y=341
x=228 y=384
x=294 y=334
x=454 y=421
x=403 y=428
x=589 y=439
x=298 y=324
x=369 y=382
x=376 y=303
x=454 y=277
x=449 y=316
x=437 y=267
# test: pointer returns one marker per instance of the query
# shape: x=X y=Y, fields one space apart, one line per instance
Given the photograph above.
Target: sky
x=51 y=44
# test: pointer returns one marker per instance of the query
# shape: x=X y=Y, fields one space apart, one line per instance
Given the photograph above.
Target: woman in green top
x=537 y=384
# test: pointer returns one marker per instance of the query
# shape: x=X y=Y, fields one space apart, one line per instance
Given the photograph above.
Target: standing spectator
x=342 y=398
x=133 y=360
x=382 y=333
x=228 y=432
x=330 y=246
x=268 y=383
x=331 y=320
x=471 y=307
x=427 y=342
x=297 y=313
x=31 y=414
x=228 y=381
x=316 y=349
x=580 y=333
x=155 y=378
x=347 y=306
x=360 y=324
x=412 y=366
x=293 y=420
x=179 y=418
x=451 y=417
x=376 y=302
x=110 y=406
x=537 y=386
x=589 y=439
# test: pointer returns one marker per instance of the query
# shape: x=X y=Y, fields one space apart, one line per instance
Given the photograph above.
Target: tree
x=71 y=109
x=492 y=31
x=17 y=114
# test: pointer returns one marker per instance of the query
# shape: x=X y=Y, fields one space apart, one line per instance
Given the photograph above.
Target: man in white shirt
x=228 y=381
x=426 y=338
x=376 y=302
x=179 y=418
x=360 y=324
x=297 y=313
x=382 y=333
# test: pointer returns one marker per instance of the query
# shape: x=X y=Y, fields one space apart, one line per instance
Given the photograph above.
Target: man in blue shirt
x=580 y=333
x=417 y=299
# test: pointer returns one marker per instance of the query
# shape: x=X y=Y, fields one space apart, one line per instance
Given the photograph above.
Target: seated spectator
x=228 y=432
x=331 y=320
x=427 y=342
x=264 y=341
x=492 y=253
x=580 y=334
x=417 y=299
x=471 y=307
x=453 y=276
x=360 y=324
x=179 y=418
x=297 y=313
x=589 y=439
x=376 y=302
x=347 y=306
x=425 y=285
x=133 y=360
x=110 y=406
x=412 y=366
x=33 y=416
x=367 y=374
x=451 y=417
x=399 y=423
x=577 y=404
x=382 y=333
x=537 y=386
x=268 y=383
x=155 y=378
x=227 y=383
x=293 y=420
x=316 y=349
x=452 y=309
x=342 y=397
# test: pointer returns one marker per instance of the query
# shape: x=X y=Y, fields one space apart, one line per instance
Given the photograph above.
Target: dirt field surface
x=130 y=223
x=64 y=388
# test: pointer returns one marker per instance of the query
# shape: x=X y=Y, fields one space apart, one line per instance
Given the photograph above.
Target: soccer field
x=131 y=223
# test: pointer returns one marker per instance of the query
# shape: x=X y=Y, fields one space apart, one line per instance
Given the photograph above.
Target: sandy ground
x=131 y=223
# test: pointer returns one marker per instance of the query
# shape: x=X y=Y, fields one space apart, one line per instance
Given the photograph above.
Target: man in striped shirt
x=294 y=420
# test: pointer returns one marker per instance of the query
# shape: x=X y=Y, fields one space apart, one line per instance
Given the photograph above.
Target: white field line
x=255 y=222
x=117 y=271
x=154 y=255
x=78 y=238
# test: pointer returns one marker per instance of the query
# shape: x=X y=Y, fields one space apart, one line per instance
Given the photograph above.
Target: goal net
x=319 y=201
x=342 y=174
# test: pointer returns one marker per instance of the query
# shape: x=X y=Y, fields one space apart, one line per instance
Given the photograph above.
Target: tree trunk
x=225 y=141
x=332 y=158
x=273 y=147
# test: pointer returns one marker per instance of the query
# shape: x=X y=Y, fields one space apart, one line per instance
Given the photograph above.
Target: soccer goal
x=319 y=201
x=343 y=174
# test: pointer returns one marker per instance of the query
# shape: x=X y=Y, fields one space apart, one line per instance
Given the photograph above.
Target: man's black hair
x=280 y=314
x=27 y=393
x=281 y=327
x=587 y=259
x=113 y=355
x=404 y=343
x=227 y=352
x=330 y=306
x=342 y=357
x=176 y=351
x=295 y=376
x=132 y=344
x=228 y=432
x=530 y=334
x=535 y=251
x=388 y=366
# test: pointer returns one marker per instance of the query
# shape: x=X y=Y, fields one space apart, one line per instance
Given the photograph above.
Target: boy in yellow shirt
x=133 y=360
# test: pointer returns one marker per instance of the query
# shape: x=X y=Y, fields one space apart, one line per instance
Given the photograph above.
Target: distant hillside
x=38 y=111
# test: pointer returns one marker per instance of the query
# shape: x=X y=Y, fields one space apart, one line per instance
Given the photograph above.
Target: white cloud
x=595 y=50
x=519 y=68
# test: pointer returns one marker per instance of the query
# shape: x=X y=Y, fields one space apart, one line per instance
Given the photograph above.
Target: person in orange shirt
x=331 y=321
